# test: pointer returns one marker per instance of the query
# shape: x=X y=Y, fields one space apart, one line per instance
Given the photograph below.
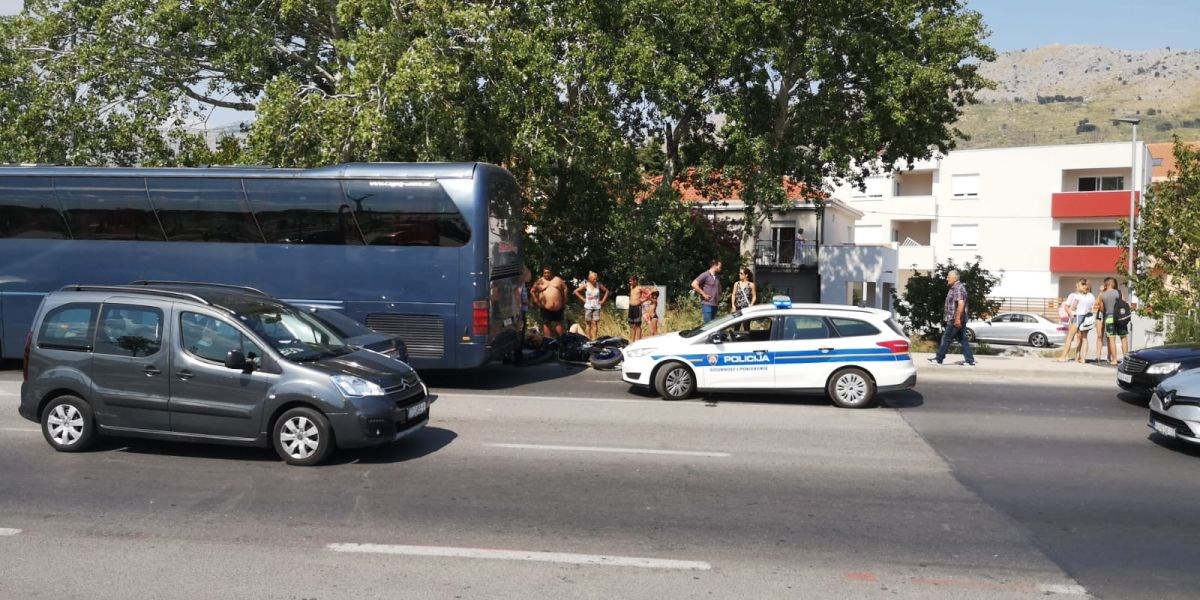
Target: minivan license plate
x=417 y=410
x=1125 y=377
x=1166 y=430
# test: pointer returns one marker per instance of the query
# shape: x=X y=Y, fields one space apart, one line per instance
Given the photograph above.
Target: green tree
x=1167 y=242
x=585 y=101
x=922 y=307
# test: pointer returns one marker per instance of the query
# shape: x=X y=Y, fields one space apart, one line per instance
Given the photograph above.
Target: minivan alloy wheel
x=66 y=424
x=300 y=437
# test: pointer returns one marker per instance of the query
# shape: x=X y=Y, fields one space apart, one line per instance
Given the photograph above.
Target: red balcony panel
x=1071 y=205
x=1084 y=259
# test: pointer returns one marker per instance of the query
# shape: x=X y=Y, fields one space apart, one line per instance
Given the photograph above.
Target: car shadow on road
x=894 y=400
x=1174 y=444
x=1134 y=399
x=498 y=376
x=418 y=445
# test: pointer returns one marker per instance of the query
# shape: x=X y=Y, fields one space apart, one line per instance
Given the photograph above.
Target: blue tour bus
x=430 y=252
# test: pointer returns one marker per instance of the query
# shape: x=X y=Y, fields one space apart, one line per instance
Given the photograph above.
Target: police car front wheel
x=674 y=381
x=851 y=388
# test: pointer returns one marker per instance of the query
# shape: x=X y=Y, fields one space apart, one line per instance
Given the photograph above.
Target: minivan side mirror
x=237 y=360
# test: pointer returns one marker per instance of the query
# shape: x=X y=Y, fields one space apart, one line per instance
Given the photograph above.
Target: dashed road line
x=523 y=555
x=564 y=398
x=8 y=531
x=611 y=450
x=21 y=429
x=1067 y=590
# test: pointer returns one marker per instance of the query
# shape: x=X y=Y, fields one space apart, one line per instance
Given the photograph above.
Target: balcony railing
x=785 y=254
x=1071 y=205
x=1084 y=259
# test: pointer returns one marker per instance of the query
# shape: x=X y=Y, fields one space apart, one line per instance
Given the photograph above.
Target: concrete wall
x=844 y=266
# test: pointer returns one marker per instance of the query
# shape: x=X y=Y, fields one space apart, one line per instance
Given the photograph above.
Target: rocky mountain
x=1069 y=94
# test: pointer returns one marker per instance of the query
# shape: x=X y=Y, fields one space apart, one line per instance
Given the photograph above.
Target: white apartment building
x=1038 y=217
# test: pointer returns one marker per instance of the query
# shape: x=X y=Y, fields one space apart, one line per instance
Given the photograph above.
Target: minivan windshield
x=294 y=334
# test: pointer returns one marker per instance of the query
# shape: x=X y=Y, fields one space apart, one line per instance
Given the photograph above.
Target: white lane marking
x=5 y=531
x=613 y=450
x=1057 y=588
x=564 y=398
x=21 y=429
x=523 y=555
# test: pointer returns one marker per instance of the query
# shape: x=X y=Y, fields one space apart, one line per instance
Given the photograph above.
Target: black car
x=1142 y=370
x=357 y=334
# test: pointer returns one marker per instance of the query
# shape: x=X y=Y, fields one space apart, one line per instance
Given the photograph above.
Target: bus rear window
x=504 y=225
x=406 y=213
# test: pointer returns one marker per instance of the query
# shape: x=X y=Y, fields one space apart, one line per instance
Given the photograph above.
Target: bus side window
x=28 y=209
x=407 y=213
x=202 y=209
x=302 y=211
x=107 y=208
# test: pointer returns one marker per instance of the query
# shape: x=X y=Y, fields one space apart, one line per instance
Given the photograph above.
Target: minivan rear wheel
x=302 y=437
x=67 y=424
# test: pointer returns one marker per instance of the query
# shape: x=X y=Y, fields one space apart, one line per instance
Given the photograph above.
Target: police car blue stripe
x=792 y=357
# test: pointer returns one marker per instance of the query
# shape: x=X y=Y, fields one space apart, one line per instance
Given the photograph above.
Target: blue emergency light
x=781 y=302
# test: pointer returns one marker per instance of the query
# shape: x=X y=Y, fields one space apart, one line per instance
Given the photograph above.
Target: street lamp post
x=1132 y=184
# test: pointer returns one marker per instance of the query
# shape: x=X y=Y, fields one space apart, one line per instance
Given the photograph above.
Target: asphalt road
x=549 y=482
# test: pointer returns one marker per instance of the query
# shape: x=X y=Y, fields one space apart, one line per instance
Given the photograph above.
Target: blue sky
x=1124 y=24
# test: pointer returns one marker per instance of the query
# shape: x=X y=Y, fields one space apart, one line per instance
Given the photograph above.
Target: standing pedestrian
x=1070 y=307
x=954 y=315
x=650 y=313
x=549 y=294
x=744 y=293
x=1109 y=298
x=1122 y=315
x=709 y=287
x=1081 y=305
x=591 y=295
x=798 y=255
x=636 y=292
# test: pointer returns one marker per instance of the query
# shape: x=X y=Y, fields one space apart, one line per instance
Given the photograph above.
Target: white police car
x=849 y=353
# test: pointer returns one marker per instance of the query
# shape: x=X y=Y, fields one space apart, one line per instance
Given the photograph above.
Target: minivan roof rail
x=221 y=286
x=135 y=290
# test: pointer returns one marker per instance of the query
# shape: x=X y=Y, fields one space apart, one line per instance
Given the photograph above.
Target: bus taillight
x=479 y=317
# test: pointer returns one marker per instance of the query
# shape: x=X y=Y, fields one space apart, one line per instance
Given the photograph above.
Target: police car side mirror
x=716 y=338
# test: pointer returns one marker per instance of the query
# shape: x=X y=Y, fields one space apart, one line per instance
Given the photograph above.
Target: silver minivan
x=209 y=363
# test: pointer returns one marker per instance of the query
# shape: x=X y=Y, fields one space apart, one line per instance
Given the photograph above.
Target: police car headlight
x=356 y=387
x=1163 y=368
x=638 y=352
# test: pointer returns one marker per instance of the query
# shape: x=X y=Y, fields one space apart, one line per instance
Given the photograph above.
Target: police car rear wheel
x=851 y=388
x=675 y=381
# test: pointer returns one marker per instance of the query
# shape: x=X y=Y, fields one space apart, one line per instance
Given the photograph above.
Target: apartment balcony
x=785 y=255
x=912 y=207
x=1084 y=259
x=920 y=258
x=1088 y=205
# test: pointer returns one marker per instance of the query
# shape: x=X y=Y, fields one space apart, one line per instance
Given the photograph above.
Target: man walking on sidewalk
x=953 y=317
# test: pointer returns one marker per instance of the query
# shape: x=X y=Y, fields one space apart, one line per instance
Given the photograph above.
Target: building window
x=965 y=186
x=964 y=236
x=1098 y=237
x=1105 y=184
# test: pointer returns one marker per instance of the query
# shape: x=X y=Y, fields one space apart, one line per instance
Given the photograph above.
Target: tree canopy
x=1167 y=241
x=921 y=308
x=585 y=101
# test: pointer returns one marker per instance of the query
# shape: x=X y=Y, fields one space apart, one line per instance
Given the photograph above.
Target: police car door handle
x=759 y=351
x=825 y=350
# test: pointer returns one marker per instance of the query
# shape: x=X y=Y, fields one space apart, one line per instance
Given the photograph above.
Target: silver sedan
x=1018 y=328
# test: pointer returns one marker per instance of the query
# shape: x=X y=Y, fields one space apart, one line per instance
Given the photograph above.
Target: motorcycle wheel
x=606 y=358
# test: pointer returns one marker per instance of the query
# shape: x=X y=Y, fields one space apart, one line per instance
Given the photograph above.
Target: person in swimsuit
x=549 y=294
x=650 y=313
x=636 y=293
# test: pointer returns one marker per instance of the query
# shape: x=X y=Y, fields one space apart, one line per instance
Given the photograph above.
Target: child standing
x=650 y=313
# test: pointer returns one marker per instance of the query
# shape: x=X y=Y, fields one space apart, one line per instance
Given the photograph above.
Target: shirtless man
x=637 y=294
x=550 y=295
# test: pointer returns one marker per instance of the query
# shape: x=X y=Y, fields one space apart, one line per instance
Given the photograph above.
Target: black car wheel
x=971 y=336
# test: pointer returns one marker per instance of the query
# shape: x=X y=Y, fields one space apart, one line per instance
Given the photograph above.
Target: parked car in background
x=1175 y=407
x=1143 y=370
x=357 y=334
x=1018 y=328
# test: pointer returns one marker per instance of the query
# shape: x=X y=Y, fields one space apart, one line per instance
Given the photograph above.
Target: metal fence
x=785 y=254
x=1047 y=307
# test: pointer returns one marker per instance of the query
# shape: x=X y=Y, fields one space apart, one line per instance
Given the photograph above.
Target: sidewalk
x=1008 y=367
